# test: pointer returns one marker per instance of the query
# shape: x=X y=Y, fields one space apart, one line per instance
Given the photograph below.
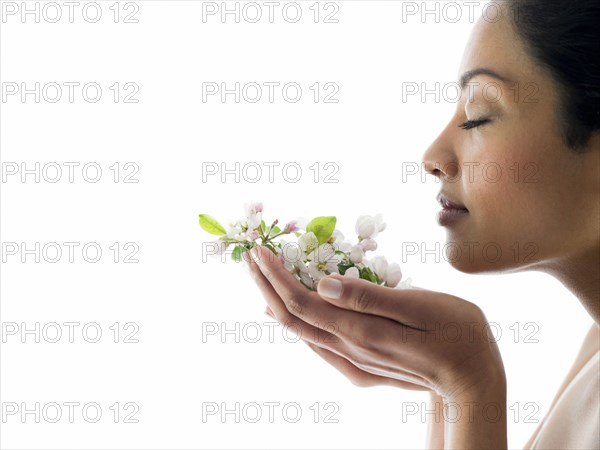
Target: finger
x=278 y=309
x=372 y=332
x=349 y=326
x=299 y=301
x=326 y=340
x=357 y=376
x=411 y=307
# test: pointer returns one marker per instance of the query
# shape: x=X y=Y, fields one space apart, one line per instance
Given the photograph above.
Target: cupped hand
x=410 y=338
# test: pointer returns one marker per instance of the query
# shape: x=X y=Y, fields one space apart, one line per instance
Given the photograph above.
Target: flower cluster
x=318 y=250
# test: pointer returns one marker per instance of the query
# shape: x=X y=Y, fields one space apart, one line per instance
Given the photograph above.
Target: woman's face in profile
x=531 y=200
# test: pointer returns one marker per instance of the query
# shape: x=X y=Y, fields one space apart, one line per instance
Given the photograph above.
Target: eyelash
x=473 y=123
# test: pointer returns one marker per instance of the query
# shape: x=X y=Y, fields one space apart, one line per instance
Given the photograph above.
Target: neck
x=581 y=275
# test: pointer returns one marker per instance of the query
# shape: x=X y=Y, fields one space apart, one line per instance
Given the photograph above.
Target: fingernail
x=330 y=287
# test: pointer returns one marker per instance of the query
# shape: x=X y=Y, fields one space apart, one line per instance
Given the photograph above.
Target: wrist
x=477 y=407
x=476 y=417
x=486 y=383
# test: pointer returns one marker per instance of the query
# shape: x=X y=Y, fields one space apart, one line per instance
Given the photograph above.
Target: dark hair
x=563 y=37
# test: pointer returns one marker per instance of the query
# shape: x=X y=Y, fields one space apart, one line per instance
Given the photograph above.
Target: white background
x=171 y=294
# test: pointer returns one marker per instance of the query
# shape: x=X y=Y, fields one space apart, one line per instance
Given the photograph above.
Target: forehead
x=494 y=45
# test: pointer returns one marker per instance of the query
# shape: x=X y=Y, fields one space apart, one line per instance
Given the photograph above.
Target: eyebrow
x=466 y=77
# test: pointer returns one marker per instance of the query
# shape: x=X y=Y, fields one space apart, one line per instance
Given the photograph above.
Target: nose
x=440 y=159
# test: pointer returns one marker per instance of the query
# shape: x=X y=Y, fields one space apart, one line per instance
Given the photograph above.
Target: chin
x=471 y=251
x=484 y=267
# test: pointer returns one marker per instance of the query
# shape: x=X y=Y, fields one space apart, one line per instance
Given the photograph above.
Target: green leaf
x=297 y=233
x=322 y=227
x=236 y=255
x=367 y=274
x=263 y=225
x=342 y=267
x=210 y=225
x=275 y=230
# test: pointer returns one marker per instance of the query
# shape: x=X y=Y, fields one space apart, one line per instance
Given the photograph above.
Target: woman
x=542 y=129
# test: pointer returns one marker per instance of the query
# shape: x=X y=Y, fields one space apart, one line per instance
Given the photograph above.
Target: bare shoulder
x=569 y=406
x=589 y=347
x=592 y=340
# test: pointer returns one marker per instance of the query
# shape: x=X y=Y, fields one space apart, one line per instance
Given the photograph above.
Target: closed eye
x=473 y=123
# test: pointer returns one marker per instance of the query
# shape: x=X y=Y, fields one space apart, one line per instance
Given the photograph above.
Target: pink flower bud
x=291 y=227
x=252 y=235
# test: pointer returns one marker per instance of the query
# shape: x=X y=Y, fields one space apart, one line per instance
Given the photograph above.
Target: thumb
x=408 y=306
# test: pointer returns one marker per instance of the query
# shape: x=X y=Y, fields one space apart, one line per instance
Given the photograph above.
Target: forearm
x=435 y=424
x=477 y=420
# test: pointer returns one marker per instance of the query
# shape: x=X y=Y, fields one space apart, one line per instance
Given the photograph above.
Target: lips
x=449 y=204
x=452 y=211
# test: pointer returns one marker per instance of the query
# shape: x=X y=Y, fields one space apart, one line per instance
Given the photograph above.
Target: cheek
x=509 y=213
x=499 y=185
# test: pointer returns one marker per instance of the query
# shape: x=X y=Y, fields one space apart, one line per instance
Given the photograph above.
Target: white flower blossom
x=291 y=255
x=352 y=272
x=389 y=273
x=291 y=251
x=393 y=275
x=356 y=254
x=336 y=236
x=368 y=244
x=306 y=259
x=369 y=226
x=253 y=215
x=323 y=261
x=308 y=243
x=379 y=265
x=235 y=232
